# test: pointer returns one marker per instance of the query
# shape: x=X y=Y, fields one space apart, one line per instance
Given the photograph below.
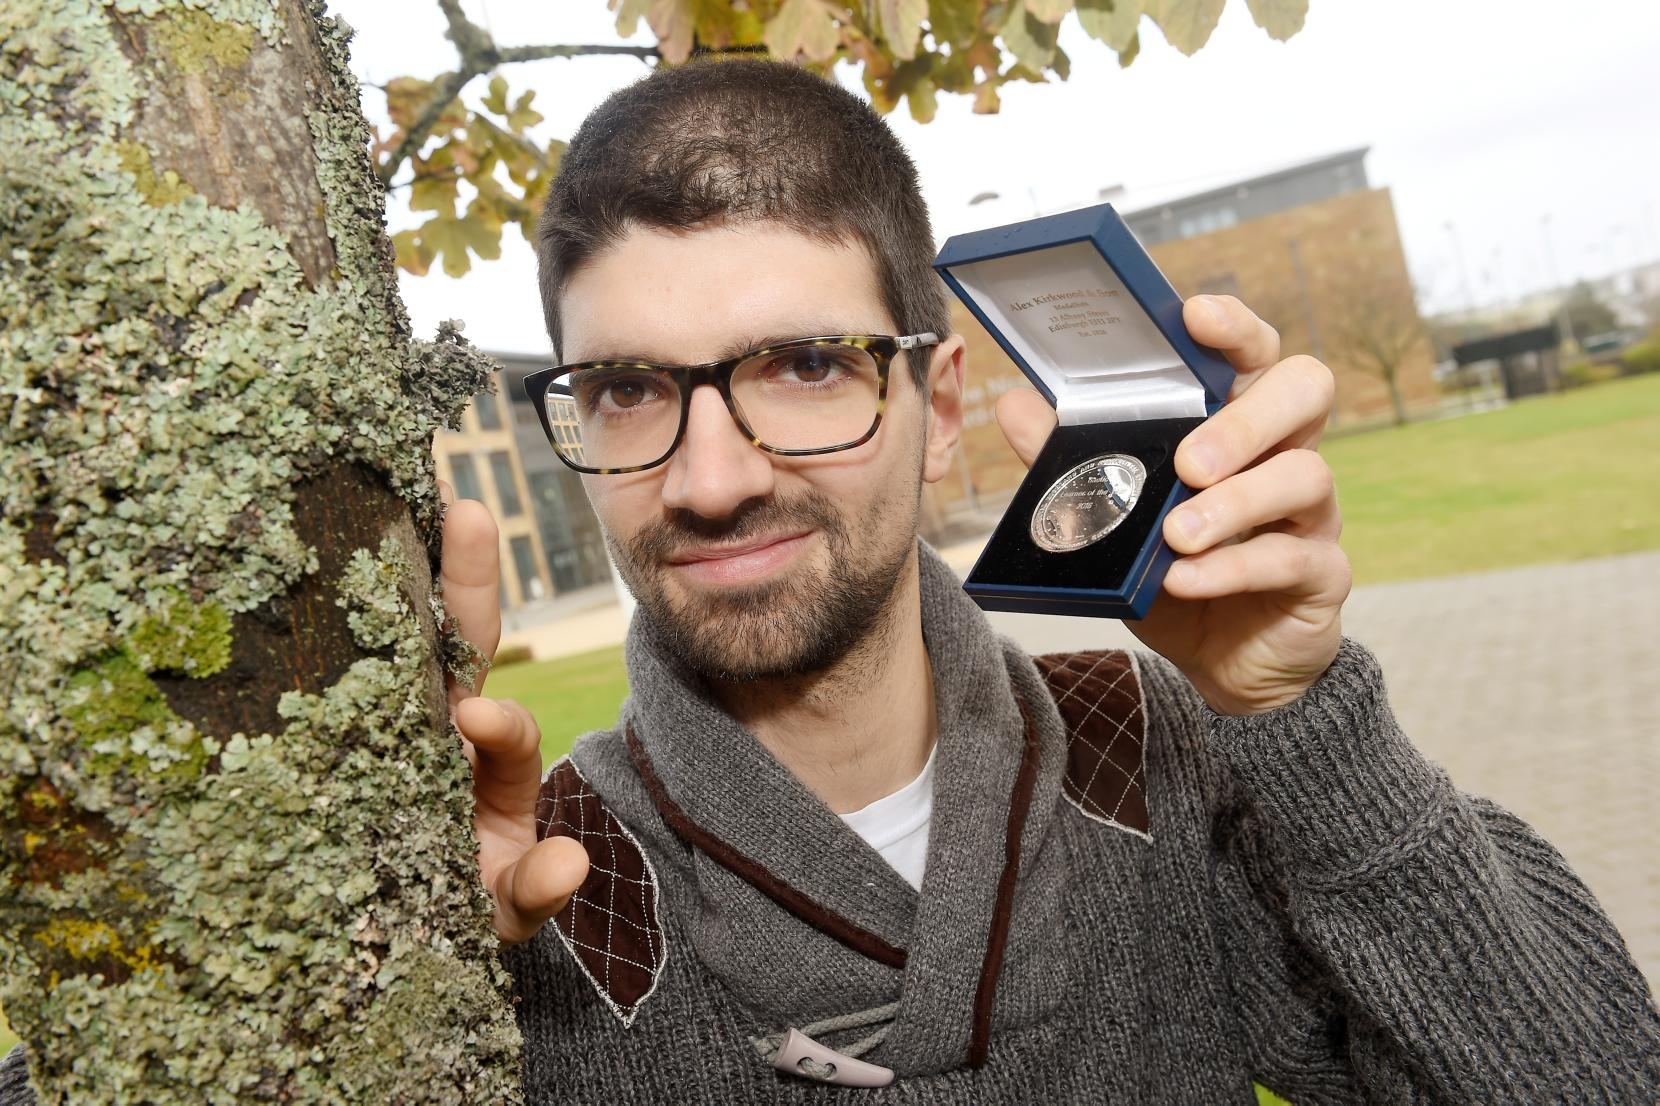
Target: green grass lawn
x=1555 y=478
x=568 y=696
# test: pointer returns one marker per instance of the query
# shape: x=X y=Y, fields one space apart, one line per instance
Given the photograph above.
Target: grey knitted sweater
x=1128 y=898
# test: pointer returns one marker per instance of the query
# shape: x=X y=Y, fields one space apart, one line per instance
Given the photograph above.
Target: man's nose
x=716 y=467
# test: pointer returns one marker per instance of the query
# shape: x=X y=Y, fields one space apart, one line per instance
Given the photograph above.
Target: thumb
x=1026 y=419
x=537 y=886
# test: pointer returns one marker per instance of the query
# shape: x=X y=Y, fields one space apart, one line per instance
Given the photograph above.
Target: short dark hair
x=738 y=141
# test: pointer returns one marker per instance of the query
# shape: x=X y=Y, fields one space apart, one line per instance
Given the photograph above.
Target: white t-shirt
x=897 y=825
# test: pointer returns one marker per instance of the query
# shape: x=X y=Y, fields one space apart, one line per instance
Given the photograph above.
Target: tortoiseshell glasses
x=811 y=395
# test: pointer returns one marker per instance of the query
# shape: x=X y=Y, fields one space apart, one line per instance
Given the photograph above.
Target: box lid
x=1084 y=312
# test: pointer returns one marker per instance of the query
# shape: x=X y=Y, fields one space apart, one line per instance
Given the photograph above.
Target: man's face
x=751 y=564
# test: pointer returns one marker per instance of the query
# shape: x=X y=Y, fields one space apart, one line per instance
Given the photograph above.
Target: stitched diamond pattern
x=611 y=924
x=1099 y=698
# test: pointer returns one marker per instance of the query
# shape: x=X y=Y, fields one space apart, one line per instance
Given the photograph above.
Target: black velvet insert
x=1012 y=558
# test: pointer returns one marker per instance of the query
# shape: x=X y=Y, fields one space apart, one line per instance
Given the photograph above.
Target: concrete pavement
x=1535 y=687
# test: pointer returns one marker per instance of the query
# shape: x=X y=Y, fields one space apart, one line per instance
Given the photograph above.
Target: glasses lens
x=613 y=417
x=809 y=397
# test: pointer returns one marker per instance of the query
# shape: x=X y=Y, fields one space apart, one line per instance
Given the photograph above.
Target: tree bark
x=1392 y=378
x=236 y=861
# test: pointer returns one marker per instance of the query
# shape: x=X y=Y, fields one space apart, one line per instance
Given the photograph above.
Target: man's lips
x=743 y=562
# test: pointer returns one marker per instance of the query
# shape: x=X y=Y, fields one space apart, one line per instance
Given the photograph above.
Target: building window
x=489 y=414
x=507 y=489
x=465 y=477
x=524 y=563
x=1205 y=221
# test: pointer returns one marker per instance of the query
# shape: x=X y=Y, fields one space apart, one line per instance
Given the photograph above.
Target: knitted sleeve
x=1386 y=929
x=14 y=1080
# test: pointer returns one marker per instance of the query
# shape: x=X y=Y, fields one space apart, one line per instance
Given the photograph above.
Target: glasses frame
x=883 y=348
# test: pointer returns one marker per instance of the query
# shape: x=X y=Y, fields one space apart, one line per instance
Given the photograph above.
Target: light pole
x=1556 y=281
x=1463 y=269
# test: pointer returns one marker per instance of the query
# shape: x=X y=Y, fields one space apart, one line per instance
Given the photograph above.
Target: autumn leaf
x=1049 y=11
x=1186 y=24
x=410 y=257
x=452 y=239
x=434 y=192
x=901 y=22
x=921 y=99
x=954 y=21
x=1111 y=21
x=803 y=28
x=722 y=24
x=1128 y=54
x=521 y=117
x=628 y=15
x=405 y=97
x=674 y=23
x=1280 y=18
x=1030 y=40
x=954 y=73
x=495 y=98
x=984 y=56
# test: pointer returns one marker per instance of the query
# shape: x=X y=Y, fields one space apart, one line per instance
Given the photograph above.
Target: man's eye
x=625 y=393
x=808 y=366
x=617 y=392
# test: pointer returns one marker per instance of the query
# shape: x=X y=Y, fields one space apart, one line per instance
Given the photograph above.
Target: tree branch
x=537 y=53
x=446 y=88
x=478 y=54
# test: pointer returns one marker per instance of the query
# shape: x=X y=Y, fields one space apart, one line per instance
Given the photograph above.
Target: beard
x=802 y=624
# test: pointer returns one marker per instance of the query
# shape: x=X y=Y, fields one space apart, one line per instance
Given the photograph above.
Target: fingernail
x=1187 y=523
x=1181 y=573
x=1213 y=309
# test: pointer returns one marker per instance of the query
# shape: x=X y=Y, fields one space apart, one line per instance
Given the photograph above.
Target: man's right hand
x=529 y=880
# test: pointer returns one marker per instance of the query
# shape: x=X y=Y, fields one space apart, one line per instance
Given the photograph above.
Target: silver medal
x=1088 y=503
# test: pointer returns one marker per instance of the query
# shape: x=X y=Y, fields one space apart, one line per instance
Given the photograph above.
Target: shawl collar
x=787 y=970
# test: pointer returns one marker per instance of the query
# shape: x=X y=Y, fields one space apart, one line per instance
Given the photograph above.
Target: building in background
x=481 y=461
x=1311 y=247
x=572 y=544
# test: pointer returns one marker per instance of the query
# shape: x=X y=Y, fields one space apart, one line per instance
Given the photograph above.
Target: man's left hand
x=1250 y=611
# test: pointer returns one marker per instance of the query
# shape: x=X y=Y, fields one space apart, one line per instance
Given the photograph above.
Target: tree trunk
x=1392 y=378
x=236 y=861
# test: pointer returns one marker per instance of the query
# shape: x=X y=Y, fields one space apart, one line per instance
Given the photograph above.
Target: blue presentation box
x=1084 y=312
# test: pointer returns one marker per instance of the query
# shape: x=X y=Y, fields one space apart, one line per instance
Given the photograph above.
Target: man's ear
x=945 y=407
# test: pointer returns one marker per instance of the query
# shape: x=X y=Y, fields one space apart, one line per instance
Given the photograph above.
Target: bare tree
x=1372 y=324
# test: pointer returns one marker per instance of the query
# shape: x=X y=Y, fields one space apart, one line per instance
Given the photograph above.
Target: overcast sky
x=1511 y=122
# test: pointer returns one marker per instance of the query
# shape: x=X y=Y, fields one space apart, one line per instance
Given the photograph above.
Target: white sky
x=1487 y=116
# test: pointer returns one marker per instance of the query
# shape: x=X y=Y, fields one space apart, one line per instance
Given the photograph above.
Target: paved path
x=1535 y=687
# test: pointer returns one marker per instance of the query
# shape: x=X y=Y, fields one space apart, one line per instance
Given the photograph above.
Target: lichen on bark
x=214 y=434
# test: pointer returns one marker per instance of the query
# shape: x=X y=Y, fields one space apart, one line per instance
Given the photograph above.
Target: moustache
x=662 y=540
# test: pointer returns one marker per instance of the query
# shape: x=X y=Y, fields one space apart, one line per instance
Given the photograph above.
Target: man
x=843 y=837
x=844 y=834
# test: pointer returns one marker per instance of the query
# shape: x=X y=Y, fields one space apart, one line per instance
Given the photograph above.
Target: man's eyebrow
x=765 y=341
x=743 y=344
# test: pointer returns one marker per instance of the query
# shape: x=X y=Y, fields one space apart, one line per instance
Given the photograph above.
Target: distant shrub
x=1581 y=373
x=516 y=653
x=1644 y=357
